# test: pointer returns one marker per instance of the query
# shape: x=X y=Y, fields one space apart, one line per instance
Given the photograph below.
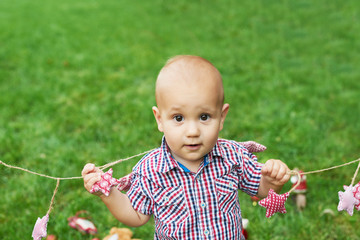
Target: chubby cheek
x=210 y=137
x=172 y=136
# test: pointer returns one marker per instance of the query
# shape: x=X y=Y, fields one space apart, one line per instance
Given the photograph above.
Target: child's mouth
x=193 y=147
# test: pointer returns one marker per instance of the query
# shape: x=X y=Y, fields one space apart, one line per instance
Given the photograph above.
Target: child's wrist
x=103 y=196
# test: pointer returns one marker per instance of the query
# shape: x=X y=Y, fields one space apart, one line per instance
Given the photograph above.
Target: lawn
x=77 y=85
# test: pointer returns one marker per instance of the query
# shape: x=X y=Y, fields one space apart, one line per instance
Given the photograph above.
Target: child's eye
x=178 y=118
x=204 y=117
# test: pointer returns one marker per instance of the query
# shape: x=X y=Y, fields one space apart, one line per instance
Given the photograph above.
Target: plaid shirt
x=202 y=205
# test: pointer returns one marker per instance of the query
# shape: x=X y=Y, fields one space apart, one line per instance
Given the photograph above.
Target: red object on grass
x=302 y=188
x=51 y=237
x=82 y=224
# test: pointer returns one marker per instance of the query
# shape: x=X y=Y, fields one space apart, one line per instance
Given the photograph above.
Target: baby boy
x=190 y=183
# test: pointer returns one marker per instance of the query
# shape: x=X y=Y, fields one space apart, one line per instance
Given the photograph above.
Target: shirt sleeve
x=250 y=173
x=138 y=194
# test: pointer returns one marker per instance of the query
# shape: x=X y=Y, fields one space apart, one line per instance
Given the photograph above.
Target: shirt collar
x=218 y=150
x=166 y=162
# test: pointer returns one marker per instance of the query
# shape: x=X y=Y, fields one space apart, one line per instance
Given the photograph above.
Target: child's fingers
x=90 y=168
x=270 y=168
x=276 y=169
x=90 y=179
x=91 y=175
x=266 y=169
x=87 y=169
x=283 y=174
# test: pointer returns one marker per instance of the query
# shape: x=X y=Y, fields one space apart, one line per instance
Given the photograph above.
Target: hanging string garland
x=41 y=223
x=273 y=203
x=40 y=227
x=276 y=202
x=347 y=200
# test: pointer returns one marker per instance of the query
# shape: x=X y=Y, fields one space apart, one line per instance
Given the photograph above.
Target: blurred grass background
x=77 y=85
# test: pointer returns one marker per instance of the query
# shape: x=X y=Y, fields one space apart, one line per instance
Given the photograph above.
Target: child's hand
x=276 y=172
x=91 y=175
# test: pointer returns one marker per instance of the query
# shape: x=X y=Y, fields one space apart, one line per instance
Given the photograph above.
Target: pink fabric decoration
x=356 y=192
x=274 y=203
x=347 y=200
x=252 y=146
x=82 y=224
x=40 y=227
x=125 y=183
x=106 y=182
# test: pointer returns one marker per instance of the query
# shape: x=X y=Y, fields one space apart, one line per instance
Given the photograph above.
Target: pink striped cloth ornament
x=274 y=203
x=356 y=191
x=106 y=182
x=347 y=200
x=125 y=183
x=40 y=227
x=253 y=147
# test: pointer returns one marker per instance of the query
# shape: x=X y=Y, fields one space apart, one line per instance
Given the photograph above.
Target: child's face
x=191 y=116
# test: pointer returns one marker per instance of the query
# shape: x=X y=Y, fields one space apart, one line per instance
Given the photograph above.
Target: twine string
x=294 y=172
x=35 y=173
x=71 y=178
x=330 y=168
x=356 y=173
x=58 y=179
x=53 y=197
x=123 y=160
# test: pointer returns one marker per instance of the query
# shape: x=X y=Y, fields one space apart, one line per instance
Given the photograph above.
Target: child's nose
x=192 y=129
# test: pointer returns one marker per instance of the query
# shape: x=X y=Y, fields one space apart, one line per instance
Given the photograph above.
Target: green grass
x=77 y=86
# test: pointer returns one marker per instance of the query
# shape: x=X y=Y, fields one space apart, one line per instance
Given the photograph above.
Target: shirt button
x=203 y=205
x=206 y=232
x=166 y=199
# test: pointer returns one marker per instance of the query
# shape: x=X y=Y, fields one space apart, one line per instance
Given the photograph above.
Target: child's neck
x=193 y=166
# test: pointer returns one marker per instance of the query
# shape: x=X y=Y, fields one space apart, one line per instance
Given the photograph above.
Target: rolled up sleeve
x=138 y=195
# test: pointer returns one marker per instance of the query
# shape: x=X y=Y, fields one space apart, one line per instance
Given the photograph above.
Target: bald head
x=191 y=72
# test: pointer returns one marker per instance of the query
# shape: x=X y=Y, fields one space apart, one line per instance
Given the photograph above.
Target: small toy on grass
x=300 y=190
x=120 y=234
x=245 y=223
x=327 y=212
x=82 y=224
x=51 y=237
x=254 y=200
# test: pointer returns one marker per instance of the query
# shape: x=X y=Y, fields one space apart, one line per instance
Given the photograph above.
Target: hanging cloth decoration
x=349 y=199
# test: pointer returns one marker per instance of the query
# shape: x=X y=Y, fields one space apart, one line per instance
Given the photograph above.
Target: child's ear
x=157 y=118
x=224 y=112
